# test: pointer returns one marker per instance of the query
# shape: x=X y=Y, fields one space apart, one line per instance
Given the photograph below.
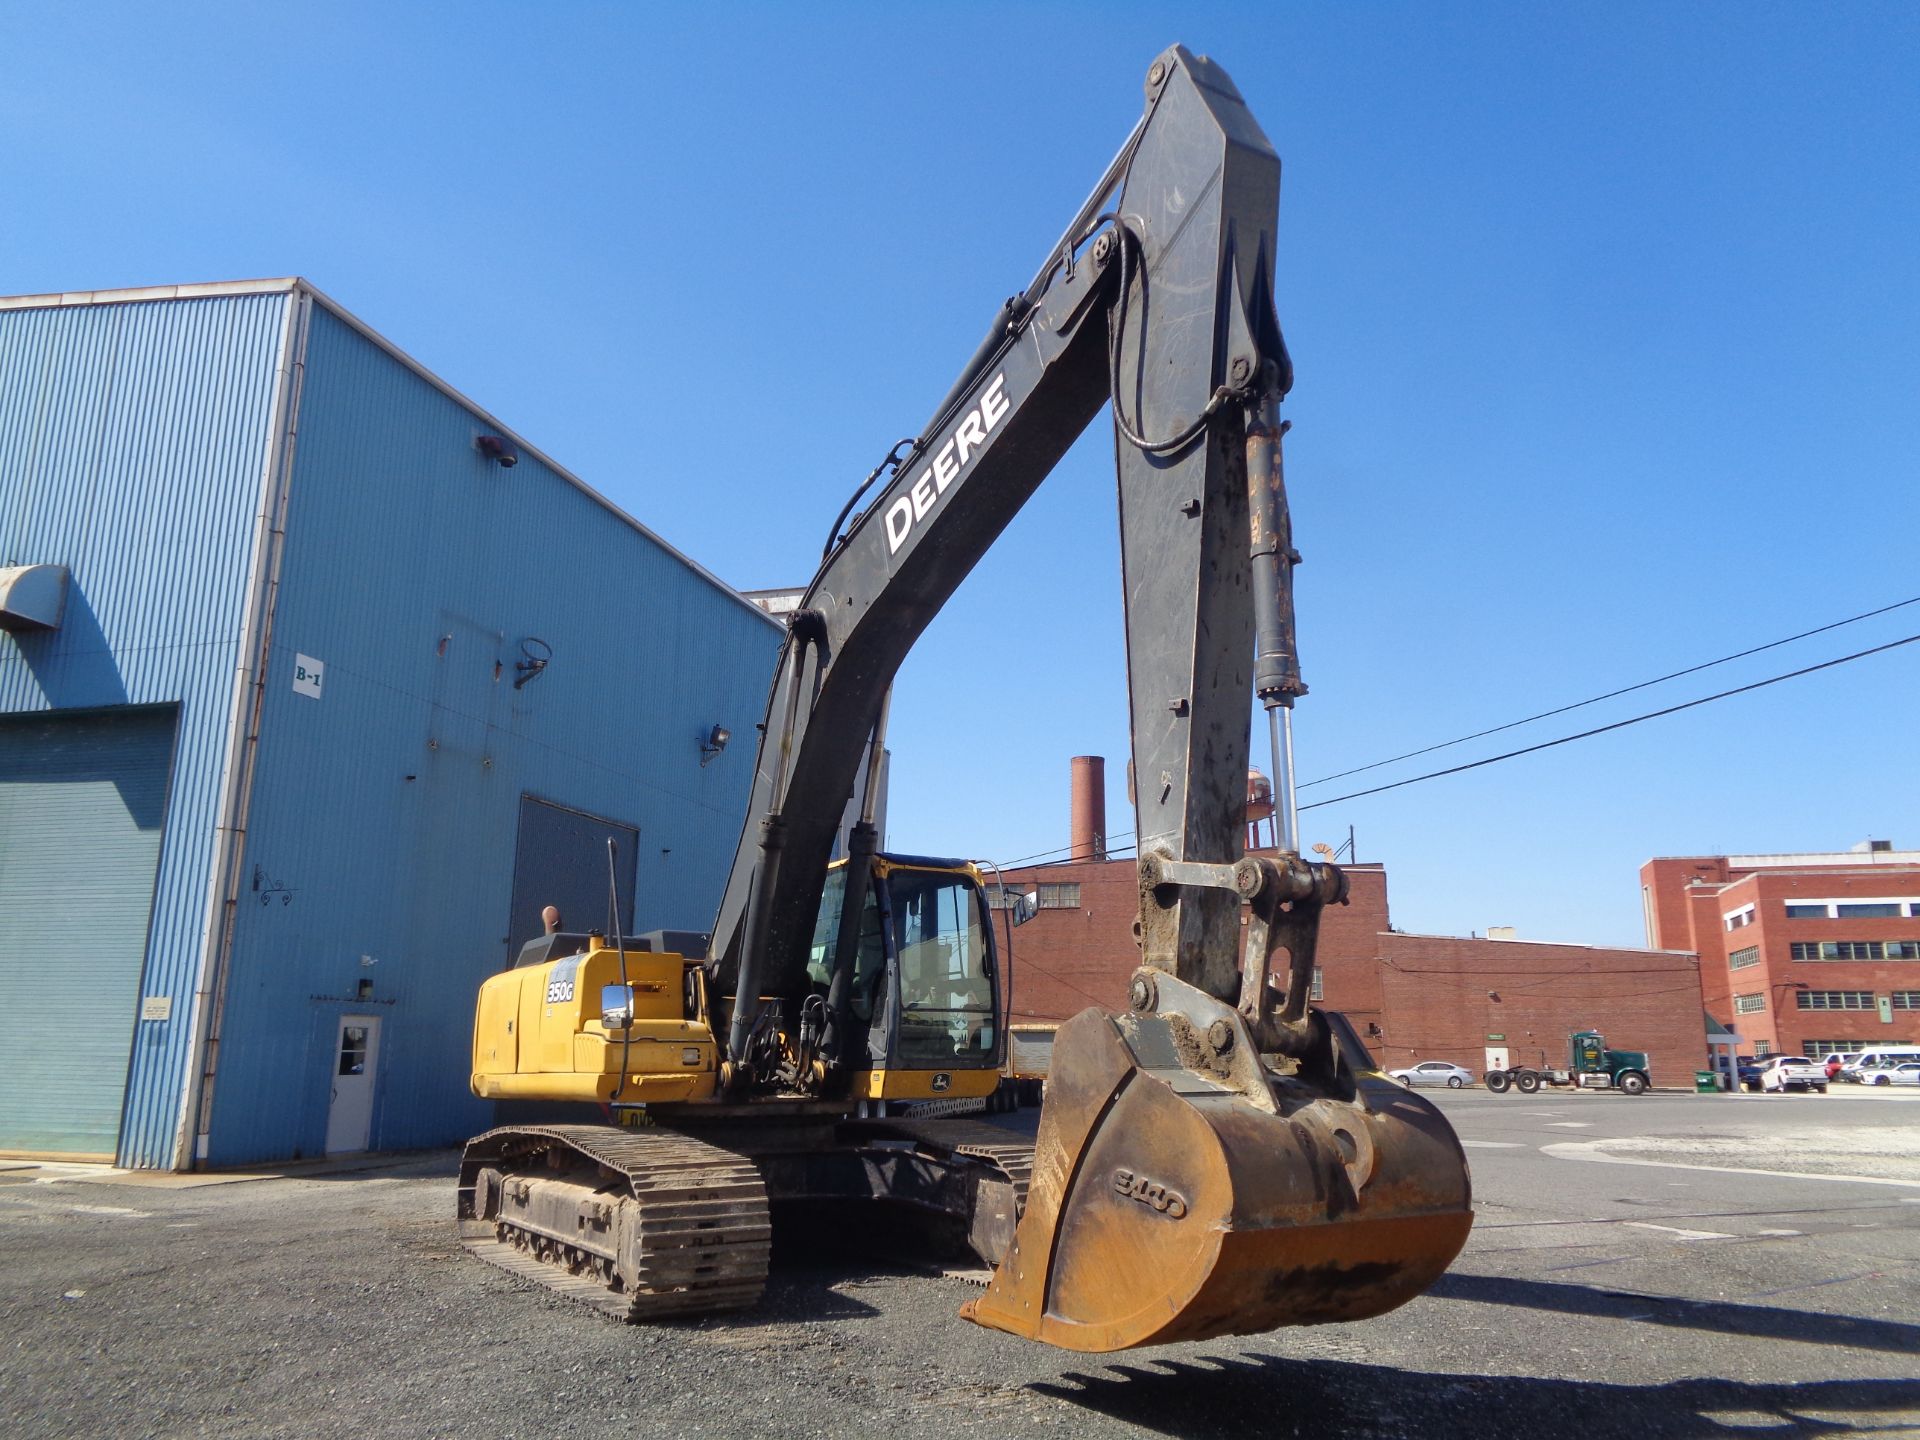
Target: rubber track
x=705 y=1231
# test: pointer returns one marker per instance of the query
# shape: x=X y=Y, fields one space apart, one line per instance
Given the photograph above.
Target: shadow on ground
x=1769 y=1322
x=1236 y=1396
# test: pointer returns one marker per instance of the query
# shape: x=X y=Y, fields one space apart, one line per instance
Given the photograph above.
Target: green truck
x=1590 y=1066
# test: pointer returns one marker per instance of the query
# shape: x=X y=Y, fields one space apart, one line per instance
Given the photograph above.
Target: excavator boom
x=1164 y=305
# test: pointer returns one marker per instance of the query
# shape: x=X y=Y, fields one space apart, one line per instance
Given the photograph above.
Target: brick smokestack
x=1089 y=808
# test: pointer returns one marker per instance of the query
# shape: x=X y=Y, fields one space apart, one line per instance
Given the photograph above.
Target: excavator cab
x=925 y=993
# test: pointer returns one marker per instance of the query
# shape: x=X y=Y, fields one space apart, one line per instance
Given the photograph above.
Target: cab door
x=942 y=1006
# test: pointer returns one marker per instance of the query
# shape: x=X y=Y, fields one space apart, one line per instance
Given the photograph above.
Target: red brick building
x=1474 y=1001
x=1414 y=997
x=1800 y=954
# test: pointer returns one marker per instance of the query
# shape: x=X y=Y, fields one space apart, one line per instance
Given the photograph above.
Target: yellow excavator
x=1214 y=1155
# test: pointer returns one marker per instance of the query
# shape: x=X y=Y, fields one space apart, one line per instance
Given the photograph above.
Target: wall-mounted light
x=499 y=449
x=713 y=742
x=535 y=653
x=1494 y=995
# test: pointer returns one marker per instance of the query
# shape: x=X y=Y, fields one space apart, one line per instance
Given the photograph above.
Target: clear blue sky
x=1605 y=322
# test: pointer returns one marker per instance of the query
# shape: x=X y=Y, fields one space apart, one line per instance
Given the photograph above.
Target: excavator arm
x=1217 y=1157
x=1163 y=303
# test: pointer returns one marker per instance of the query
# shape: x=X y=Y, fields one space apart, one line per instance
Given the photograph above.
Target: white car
x=1869 y=1063
x=1434 y=1072
x=1792 y=1072
x=1907 y=1074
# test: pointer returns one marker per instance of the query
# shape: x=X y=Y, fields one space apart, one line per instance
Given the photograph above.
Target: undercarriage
x=659 y=1222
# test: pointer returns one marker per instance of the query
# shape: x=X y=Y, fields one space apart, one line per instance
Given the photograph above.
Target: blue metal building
x=316 y=683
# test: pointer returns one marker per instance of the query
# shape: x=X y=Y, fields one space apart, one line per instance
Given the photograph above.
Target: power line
x=1610 y=695
x=1618 y=724
x=1043 y=856
x=1059 y=850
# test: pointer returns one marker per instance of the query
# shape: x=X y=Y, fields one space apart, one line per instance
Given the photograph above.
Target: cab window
x=826 y=926
x=946 y=993
x=870 y=961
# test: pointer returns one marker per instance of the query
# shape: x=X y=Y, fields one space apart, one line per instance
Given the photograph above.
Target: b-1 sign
x=307 y=674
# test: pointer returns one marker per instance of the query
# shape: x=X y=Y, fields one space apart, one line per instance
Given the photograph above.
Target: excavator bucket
x=1181 y=1190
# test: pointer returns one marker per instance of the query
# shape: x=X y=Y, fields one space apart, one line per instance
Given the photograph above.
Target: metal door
x=560 y=859
x=83 y=802
x=1497 y=1058
x=356 y=1056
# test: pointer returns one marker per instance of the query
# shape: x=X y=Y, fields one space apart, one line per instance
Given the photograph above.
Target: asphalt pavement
x=1668 y=1265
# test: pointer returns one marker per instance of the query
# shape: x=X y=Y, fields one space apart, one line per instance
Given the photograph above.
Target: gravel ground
x=1648 y=1300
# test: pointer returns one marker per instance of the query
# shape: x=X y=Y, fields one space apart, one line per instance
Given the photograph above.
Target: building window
x=1762 y=1049
x=1833 y=999
x=1060 y=897
x=1742 y=916
x=1749 y=1004
x=1903 y=949
x=1818 y=1048
x=1314 y=992
x=1841 y=950
x=1906 y=999
x=1880 y=909
x=1741 y=959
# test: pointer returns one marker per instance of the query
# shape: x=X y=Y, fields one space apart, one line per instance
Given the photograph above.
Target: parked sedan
x=1434 y=1072
x=1907 y=1074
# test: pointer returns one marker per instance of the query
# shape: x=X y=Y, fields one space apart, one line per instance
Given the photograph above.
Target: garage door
x=560 y=859
x=82 y=809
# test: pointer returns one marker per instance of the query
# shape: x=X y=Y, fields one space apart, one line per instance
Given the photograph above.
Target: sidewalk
x=48 y=1172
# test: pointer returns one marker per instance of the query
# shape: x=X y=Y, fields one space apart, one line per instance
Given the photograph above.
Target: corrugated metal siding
x=132 y=439
x=381 y=838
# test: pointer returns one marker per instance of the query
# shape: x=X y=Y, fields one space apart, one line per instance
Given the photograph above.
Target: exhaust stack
x=1089 y=808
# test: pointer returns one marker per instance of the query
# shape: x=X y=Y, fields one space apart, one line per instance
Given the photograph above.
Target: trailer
x=1029 y=1057
x=1591 y=1066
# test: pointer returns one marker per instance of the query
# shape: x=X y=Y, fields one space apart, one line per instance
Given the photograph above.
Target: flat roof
x=1824 y=859
x=1520 y=944
x=294 y=284
x=1806 y=859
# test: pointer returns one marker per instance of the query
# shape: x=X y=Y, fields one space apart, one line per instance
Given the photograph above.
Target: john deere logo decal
x=941 y=1082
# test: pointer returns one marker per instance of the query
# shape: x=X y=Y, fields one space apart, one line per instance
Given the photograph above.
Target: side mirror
x=616 y=1006
x=1025 y=906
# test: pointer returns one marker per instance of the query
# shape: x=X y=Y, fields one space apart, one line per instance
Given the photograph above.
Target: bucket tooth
x=1167 y=1205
